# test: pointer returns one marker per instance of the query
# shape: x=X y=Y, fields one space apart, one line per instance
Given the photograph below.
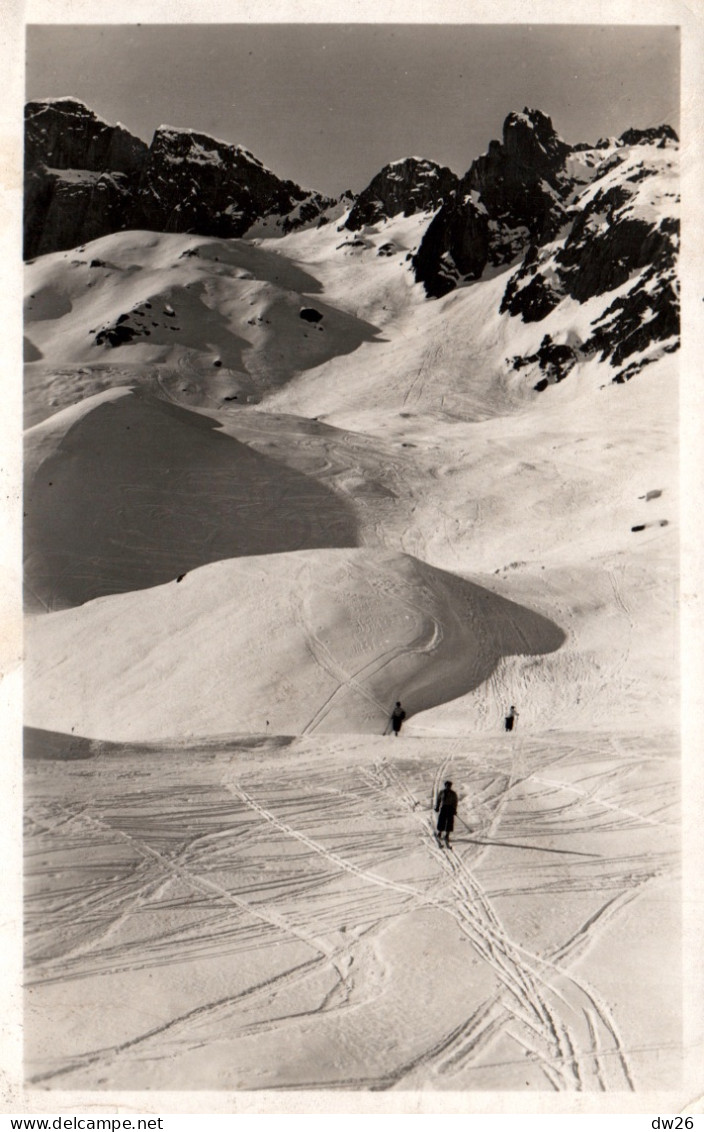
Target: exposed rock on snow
x=624 y=238
x=510 y=196
x=408 y=186
x=586 y=222
x=193 y=183
x=85 y=179
x=555 y=361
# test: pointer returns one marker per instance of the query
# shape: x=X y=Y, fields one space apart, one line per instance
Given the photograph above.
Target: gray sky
x=329 y=105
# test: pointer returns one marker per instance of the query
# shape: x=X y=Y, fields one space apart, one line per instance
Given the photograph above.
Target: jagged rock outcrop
x=85 y=179
x=193 y=183
x=65 y=209
x=408 y=186
x=80 y=175
x=623 y=233
x=661 y=134
x=514 y=194
x=62 y=133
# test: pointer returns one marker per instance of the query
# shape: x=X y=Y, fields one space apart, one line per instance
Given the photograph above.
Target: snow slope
x=275 y=914
x=309 y=641
x=428 y=448
x=186 y=306
x=247 y=535
x=125 y=491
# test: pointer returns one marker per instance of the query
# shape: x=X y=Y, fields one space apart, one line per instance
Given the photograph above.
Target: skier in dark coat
x=511 y=719
x=446 y=808
x=397 y=717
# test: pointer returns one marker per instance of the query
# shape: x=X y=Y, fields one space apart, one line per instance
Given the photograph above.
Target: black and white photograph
x=354 y=715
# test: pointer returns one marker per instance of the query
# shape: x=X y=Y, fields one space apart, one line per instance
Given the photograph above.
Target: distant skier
x=510 y=719
x=397 y=717
x=446 y=808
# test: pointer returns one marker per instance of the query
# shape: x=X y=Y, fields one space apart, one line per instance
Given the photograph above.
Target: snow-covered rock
x=407 y=186
x=184 y=181
x=510 y=196
x=622 y=244
x=79 y=175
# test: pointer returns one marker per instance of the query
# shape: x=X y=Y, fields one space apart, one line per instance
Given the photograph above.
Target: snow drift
x=126 y=491
x=298 y=642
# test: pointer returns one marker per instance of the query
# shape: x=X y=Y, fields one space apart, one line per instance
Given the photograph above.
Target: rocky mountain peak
x=86 y=178
x=530 y=141
x=531 y=152
x=193 y=182
x=63 y=133
x=511 y=196
x=413 y=184
x=661 y=134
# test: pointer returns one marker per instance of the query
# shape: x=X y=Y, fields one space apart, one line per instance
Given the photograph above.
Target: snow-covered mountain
x=578 y=221
x=575 y=222
x=408 y=186
x=330 y=330
x=276 y=482
x=85 y=179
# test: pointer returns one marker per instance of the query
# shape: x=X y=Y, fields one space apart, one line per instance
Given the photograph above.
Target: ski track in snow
x=270 y=860
x=278 y=914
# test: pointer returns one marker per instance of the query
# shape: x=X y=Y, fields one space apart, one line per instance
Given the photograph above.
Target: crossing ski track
x=325 y=863
x=274 y=912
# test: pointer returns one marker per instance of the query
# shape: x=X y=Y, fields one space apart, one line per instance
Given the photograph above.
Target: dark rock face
x=85 y=179
x=518 y=186
x=455 y=247
x=598 y=263
x=648 y=313
x=62 y=211
x=79 y=176
x=193 y=183
x=407 y=187
x=65 y=134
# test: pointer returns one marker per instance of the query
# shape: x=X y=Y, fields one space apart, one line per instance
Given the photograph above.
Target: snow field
x=305 y=641
x=243 y=545
x=284 y=918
